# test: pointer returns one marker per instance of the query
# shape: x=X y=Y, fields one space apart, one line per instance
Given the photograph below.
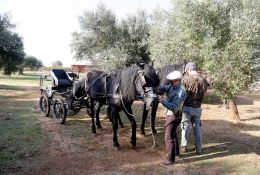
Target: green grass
x=21 y=136
x=28 y=79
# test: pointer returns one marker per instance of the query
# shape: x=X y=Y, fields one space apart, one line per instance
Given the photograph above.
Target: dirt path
x=228 y=148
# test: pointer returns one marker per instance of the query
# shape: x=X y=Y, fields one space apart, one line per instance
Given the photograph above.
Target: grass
x=21 y=135
x=27 y=79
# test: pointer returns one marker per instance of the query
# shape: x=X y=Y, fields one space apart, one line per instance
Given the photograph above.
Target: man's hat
x=190 y=66
x=174 y=75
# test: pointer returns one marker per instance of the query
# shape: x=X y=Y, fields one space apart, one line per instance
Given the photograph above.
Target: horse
x=162 y=73
x=119 y=90
x=93 y=105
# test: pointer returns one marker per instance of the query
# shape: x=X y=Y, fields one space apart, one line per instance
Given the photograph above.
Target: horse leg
x=99 y=105
x=144 y=117
x=109 y=113
x=92 y=115
x=153 y=115
x=115 y=114
x=133 y=124
x=120 y=122
x=110 y=118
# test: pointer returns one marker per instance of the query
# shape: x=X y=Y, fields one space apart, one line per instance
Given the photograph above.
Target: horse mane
x=127 y=78
x=164 y=71
x=151 y=76
x=81 y=83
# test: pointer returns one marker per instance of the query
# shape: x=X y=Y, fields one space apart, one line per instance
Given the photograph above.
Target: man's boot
x=170 y=158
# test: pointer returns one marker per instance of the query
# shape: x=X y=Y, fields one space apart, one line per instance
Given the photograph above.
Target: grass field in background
x=27 y=79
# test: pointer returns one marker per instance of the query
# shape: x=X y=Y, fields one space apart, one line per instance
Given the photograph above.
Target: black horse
x=81 y=89
x=162 y=73
x=119 y=90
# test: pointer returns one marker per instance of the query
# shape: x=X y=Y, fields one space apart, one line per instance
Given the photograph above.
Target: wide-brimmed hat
x=174 y=75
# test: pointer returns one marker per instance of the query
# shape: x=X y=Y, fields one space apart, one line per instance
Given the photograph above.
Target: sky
x=47 y=25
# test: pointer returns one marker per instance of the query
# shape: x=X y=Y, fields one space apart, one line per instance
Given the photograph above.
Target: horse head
x=146 y=82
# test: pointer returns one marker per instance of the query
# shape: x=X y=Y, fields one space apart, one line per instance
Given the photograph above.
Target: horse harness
x=141 y=79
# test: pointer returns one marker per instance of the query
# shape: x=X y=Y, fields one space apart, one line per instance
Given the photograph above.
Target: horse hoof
x=88 y=112
x=94 y=134
x=116 y=144
x=154 y=131
x=133 y=143
x=99 y=126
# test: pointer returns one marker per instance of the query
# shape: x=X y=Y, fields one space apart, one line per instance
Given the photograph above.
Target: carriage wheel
x=59 y=110
x=44 y=105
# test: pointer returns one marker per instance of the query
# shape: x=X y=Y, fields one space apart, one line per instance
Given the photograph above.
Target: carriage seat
x=60 y=78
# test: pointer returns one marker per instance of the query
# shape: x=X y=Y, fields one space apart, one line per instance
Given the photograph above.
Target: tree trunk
x=233 y=107
x=20 y=71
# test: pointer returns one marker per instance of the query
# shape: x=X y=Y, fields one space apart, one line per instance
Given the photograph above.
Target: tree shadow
x=228 y=139
x=250 y=119
x=242 y=100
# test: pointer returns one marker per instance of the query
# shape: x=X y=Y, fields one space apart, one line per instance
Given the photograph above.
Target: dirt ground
x=229 y=147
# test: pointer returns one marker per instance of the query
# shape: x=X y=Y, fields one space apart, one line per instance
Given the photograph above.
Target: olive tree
x=220 y=36
x=11 y=46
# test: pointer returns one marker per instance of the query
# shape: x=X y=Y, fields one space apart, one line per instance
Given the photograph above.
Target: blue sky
x=46 y=25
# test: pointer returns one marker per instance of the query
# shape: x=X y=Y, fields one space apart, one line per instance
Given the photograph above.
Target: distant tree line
x=221 y=37
x=12 y=55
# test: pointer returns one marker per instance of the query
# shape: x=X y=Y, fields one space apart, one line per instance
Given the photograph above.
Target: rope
x=152 y=147
x=121 y=98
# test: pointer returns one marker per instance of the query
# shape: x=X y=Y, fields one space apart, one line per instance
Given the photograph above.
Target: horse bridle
x=145 y=92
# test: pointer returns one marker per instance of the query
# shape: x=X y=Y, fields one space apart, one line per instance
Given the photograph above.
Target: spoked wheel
x=44 y=105
x=59 y=110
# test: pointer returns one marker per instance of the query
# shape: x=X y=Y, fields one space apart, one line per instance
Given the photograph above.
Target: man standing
x=176 y=95
x=196 y=87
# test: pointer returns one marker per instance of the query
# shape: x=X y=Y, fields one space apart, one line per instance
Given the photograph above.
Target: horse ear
x=151 y=63
x=140 y=65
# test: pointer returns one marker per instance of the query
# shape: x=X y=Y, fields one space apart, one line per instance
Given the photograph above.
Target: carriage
x=59 y=98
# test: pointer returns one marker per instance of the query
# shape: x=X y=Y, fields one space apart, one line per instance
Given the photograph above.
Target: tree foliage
x=222 y=37
x=110 y=43
x=32 y=62
x=133 y=38
x=11 y=46
x=57 y=63
x=98 y=34
x=159 y=40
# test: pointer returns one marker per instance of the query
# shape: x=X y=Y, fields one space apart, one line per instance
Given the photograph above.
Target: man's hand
x=159 y=97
